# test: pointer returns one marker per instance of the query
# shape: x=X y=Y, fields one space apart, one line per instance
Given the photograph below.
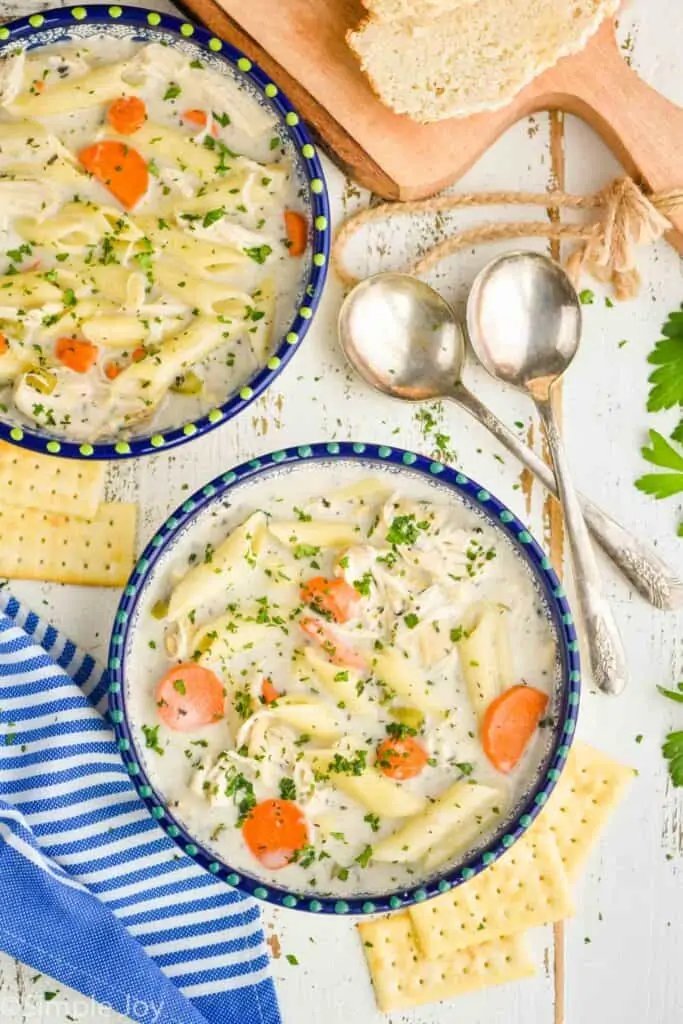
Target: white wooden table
x=621 y=958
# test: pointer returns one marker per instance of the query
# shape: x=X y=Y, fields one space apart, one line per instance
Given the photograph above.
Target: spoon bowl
x=524 y=319
x=403 y=340
x=402 y=337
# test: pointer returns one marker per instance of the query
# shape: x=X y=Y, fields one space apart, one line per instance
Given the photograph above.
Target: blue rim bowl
x=67 y=23
x=501 y=518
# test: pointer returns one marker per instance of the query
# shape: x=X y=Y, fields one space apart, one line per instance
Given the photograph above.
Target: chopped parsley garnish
x=258 y=253
x=151 y=734
x=587 y=297
x=349 y=766
x=173 y=91
x=212 y=216
x=363 y=584
x=287 y=789
x=306 y=551
x=363 y=858
x=373 y=821
x=243 y=793
x=222 y=119
x=179 y=687
x=242 y=704
x=404 y=530
x=411 y=620
x=465 y=767
x=675 y=695
x=399 y=730
x=291 y=959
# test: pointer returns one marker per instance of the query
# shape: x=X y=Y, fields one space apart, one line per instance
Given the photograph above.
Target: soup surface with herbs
x=341 y=681
x=153 y=236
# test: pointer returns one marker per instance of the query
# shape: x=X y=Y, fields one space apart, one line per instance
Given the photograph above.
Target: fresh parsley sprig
x=673 y=752
x=664 y=456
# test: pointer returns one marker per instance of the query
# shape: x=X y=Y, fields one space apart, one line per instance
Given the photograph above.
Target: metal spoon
x=524 y=323
x=404 y=340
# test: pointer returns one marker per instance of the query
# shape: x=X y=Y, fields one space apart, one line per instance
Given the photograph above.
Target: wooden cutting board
x=301 y=44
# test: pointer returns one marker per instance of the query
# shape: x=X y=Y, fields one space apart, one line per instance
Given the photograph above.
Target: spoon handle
x=646 y=571
x=605 y=651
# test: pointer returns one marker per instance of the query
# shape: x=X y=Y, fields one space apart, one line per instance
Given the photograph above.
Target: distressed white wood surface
x=622 y=948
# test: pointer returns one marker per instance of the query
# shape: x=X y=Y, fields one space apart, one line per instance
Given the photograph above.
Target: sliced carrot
x=333 y=597
x=268 y=692
x=199 y=118
x=37 y=85
x=138 y=354
x=338 y=651
x=509 y=723
x=190 y=696
x=112 y=370
x=127 y=114
x=297 y=232
x=401 y=759
x=4 y=345
x=79 y=356
x=119 y=168
x=274 y=831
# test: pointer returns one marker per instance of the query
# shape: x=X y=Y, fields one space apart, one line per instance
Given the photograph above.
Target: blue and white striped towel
x=91 y=891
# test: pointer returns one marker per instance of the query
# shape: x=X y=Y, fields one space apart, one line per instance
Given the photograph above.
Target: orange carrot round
x=79 y=356
x=190 y=696
x=268 y=692
x=120 y=168
x=333 y=597
x=297 y=232
x=138 y=354
x=509 y=723
x=274 y=831
x=401 y=759
x=337 y=650
x=4 y=345
x=112 y=370
x=127 y=114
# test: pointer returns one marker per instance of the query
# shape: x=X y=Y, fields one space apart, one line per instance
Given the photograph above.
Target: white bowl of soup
x=163 y=232
x=341 y=675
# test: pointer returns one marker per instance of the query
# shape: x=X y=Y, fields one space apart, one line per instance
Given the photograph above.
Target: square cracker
x=46 y=546
x=50 y=484
x=402 y=977
x=526 y=888
x=588 y=790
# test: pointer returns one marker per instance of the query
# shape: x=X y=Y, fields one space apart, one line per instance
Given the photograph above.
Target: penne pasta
x=28 y=290
x=114 y=330
x=462 y=803
x=237 y=554
x=321 y=533
x=263 y=317
x=211 y=298
x=485 y=657
x=402 y=677
x=97 y=86
x=370 y=788
x=345 y=686
x=309 y=716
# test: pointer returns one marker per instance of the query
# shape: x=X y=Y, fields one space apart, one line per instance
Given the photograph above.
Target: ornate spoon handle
x=646 y=571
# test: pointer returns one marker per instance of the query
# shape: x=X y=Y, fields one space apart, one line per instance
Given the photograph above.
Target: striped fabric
x=91 y=891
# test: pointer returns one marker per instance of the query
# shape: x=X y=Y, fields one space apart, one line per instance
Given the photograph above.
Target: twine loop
x=626 y=216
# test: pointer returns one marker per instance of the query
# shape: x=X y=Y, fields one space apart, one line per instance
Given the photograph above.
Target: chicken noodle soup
x=152 y=236
x=343 y=686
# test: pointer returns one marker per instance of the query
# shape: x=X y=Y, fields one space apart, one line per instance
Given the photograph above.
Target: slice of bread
x=387 y=10
x=474 y=58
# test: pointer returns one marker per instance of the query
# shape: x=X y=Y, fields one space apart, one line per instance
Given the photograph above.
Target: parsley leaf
x=258 y=253
x=403 y=530
x=666 y=382
x=212 y=216
x=661 y=453
x=287 y=789
x=673 y=753
x=151 y=734
x=676 y=695
x=364 y=856
x=172 y=91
